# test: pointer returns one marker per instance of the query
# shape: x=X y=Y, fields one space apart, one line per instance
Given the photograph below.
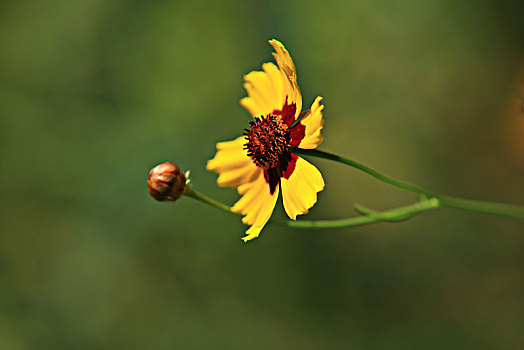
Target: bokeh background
x=94 y=93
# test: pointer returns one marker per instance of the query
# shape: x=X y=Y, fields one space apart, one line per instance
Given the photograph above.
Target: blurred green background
x=95 y=93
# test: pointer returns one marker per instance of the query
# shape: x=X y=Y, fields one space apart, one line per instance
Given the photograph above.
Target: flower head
x=262 y=161
x=166 y=182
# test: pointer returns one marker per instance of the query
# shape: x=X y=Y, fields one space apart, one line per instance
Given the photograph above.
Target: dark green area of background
x=95 y=93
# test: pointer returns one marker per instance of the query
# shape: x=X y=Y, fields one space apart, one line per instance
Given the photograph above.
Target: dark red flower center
x=268 y=139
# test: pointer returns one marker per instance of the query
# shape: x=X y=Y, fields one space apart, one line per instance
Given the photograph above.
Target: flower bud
x=166 y=182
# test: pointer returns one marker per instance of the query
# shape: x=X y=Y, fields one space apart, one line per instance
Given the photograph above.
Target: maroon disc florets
x=268 y=139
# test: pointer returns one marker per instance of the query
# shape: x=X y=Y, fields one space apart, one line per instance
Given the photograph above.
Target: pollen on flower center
x=268 y=139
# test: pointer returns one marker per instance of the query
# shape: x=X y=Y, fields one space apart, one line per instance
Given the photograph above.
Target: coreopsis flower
x=261 y=161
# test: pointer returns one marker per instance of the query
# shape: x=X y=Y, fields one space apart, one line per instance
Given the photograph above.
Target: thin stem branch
x=371 y=216
x=400 y=214
x=508 y=210
x=430 y=200
x=501 y=209
x=207 y=200
x=364 y=168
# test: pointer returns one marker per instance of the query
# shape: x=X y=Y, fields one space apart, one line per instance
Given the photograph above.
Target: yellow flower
x=261 y=161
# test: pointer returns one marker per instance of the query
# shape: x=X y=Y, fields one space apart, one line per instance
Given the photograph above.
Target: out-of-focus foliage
x=95 y=93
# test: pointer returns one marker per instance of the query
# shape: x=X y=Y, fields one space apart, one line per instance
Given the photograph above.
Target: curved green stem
x=430 y=200
x=364 y=168
x=205 y=199
x=369 y=215
x=501 y=209
x=512 y=211
x=399 y=214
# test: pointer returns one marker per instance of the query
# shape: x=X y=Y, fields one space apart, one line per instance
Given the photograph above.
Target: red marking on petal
x=297 y=134
x=272 y=178
x=290 y=166
x=288 y=113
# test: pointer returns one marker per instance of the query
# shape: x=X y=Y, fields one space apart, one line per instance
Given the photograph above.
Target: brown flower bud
x=166 y=182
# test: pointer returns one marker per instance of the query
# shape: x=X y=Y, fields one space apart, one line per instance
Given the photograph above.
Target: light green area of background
x=95 y=93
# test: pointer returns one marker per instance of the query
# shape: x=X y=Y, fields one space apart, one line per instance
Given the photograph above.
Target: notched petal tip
x=256 y=204
x=209 y=165
x=275 y=42
x=252 y=233
x=283 y=57
x=278 y=46
x=314 y=123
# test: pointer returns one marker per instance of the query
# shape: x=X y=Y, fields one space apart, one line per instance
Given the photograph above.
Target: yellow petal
x=313 y=122
x=257 y=204
x=289 y=74
x=232 y=163
x=299 y=192
x=265 y=91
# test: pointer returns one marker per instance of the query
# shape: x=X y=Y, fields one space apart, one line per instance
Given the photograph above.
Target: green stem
x=501 y=209
x=371 y=216
x=512 y=211
x=364 y=168
x=205 y=199
x=399 y=214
